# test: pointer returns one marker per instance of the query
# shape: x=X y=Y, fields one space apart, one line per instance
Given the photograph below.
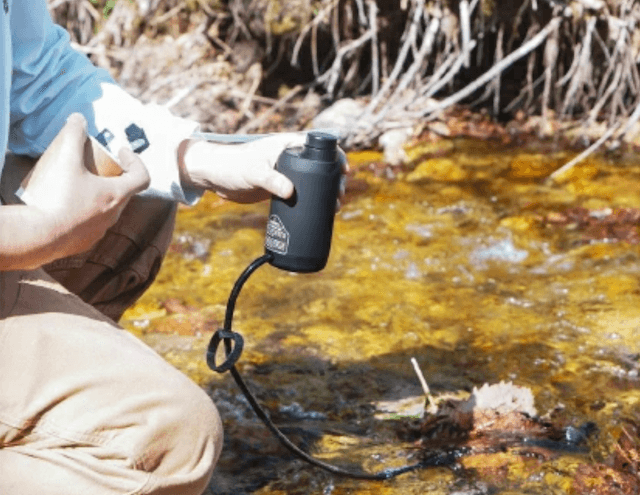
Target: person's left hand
x=243 y=173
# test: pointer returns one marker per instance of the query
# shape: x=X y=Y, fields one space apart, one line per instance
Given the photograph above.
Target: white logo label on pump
x=277 y=239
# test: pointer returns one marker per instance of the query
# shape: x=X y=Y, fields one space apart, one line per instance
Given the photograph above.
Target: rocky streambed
x=467 y=259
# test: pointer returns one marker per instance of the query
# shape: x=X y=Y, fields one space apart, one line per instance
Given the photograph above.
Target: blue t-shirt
x=44 y=81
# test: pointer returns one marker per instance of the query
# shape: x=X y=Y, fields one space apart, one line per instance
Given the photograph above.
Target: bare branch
x=531 y=45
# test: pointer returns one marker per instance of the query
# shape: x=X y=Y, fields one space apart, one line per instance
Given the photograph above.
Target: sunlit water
x=450 y=261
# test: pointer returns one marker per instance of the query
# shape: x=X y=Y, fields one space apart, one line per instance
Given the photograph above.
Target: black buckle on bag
x=232 y=357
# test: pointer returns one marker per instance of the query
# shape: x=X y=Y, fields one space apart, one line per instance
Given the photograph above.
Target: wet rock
x=296 y=412
x=393 y=143
x=430 y=149
x=504 y=397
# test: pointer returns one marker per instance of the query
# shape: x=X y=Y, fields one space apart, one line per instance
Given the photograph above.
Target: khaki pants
x=85 y=407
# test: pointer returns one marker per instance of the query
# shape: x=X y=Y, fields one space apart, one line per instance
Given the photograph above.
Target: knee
x=184 y=440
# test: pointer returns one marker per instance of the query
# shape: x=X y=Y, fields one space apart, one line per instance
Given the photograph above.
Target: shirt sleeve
x=50 y=81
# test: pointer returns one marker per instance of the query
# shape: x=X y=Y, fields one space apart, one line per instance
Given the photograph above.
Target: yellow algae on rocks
x=618 y=189
x=531 y=166
x=599 y=251
x=441 y=147
x=439 y=169
x=358 y=158
x=519 y=223
x=581 y=172
x=479 y=161
x=452 y=193
x=617 y=285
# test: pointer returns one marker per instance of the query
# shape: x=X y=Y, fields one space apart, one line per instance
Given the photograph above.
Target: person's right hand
x=80 y=206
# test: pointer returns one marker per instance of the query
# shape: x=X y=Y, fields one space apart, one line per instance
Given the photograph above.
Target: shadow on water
x=311 y=398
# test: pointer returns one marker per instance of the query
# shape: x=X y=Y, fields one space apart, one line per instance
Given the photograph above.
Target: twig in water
x=431 y=406
x=423 y=382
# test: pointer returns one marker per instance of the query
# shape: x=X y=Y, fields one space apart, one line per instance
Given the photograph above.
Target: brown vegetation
x=561 y=60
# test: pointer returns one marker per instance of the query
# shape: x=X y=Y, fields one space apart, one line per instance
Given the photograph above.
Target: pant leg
x=86 y=408
x=124 y=263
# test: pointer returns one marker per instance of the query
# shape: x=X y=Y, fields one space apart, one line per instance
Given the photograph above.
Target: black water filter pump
x=298 y=239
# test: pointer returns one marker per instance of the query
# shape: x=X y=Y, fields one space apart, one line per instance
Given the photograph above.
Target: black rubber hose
x=438 y=460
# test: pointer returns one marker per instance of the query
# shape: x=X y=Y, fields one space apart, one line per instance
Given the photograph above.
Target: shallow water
x=463 y=260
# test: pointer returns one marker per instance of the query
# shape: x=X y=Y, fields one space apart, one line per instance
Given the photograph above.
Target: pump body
x=299 y=229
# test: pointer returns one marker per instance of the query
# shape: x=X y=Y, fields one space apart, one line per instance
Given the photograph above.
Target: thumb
x=70 y=141
x=135 y=177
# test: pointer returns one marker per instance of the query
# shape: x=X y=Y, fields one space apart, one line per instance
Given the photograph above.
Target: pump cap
x=321 y=140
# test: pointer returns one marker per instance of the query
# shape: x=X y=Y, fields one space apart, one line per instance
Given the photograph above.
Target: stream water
x=466 y=260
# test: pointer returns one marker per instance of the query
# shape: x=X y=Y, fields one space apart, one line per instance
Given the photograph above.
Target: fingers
x=135 y=177
x=344 y=163
x=273 y=181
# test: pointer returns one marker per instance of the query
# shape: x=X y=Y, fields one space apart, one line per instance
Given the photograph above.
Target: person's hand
x=80 y=206
x=243 y=173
